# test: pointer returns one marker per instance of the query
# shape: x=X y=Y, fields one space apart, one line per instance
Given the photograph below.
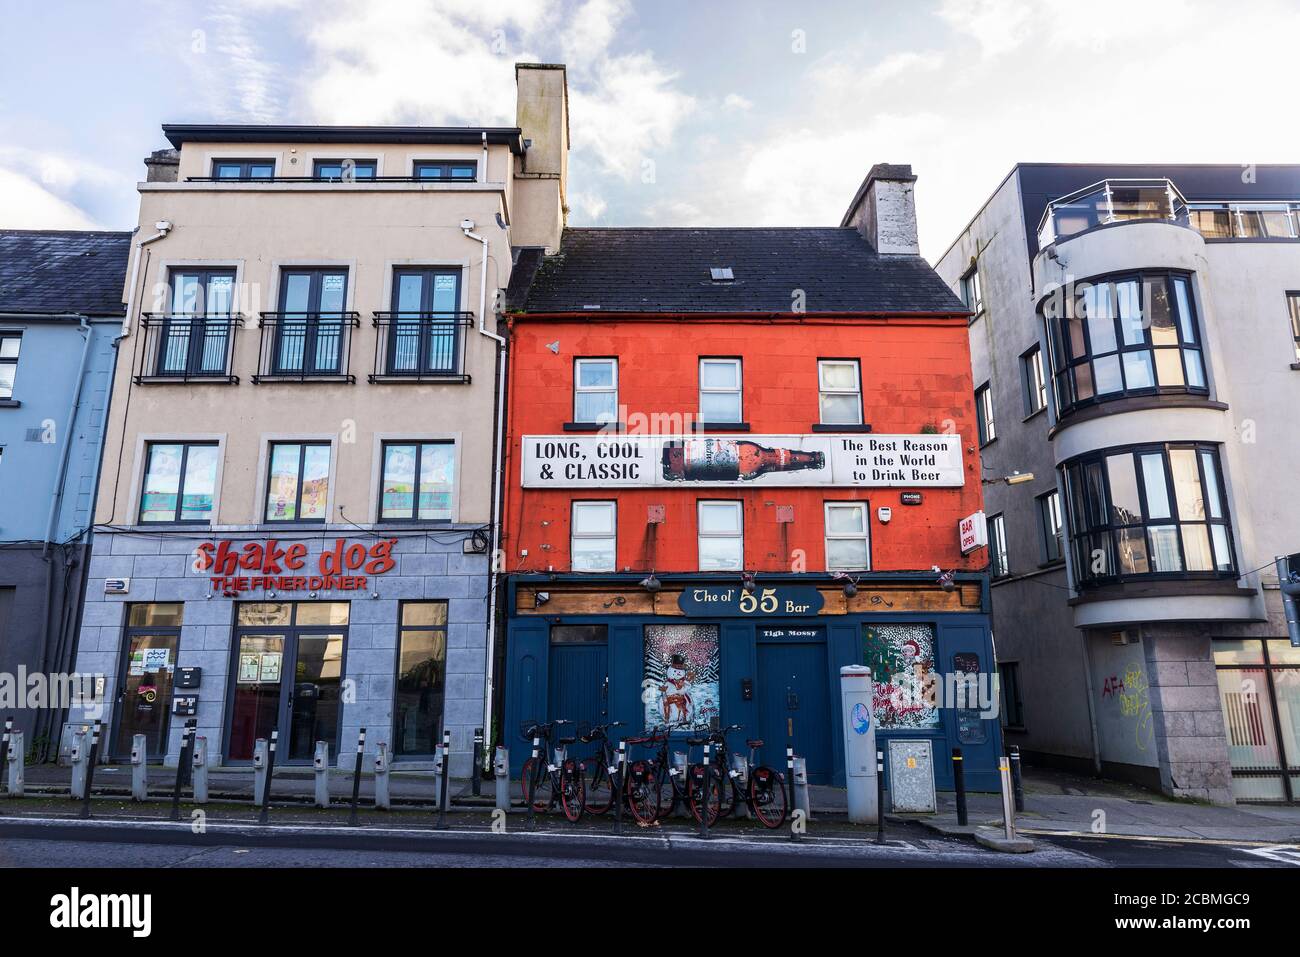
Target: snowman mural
x=680 y=680
x=676 y=691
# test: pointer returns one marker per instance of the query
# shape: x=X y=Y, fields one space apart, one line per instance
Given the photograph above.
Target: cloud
x=239 y=81
x=734 y=101
x=26 y=204
x=40 y=189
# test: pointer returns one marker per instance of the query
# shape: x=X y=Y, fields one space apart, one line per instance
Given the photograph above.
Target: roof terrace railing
x=1111 y=201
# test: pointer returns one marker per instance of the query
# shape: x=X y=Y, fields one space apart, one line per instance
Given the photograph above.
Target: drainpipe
x=163 y=227
x=65 y=456
x=467 y=227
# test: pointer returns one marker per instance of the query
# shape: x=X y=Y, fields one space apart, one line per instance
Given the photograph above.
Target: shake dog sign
x=645 y=461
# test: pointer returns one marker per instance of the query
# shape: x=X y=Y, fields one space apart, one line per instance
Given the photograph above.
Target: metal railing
x=183 y=347
x=306 y=346
x=330 y=179
x=421 y=346
x=1111 y=201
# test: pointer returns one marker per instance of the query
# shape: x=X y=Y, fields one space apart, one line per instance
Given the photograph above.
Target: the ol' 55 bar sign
x=732 y=601
x=271 y=564
x=638 y=461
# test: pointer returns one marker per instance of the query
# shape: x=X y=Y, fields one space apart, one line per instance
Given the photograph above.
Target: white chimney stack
x=884 y=210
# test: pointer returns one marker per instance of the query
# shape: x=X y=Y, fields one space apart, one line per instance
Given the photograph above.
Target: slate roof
x=667 y=270
x=53 y=271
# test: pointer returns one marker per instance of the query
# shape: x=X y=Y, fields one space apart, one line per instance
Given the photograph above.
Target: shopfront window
x=1148 y=511
x=1259 y=689
x=419 y=482
x=421 y=677
x=1123 y=336
x=297 y=484
x=180 y=482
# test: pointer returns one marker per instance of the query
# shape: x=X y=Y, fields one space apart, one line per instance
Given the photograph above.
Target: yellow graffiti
x=1135 y=702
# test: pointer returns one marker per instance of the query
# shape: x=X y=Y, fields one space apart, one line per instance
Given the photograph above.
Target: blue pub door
x=578 y=681
x=792 y=695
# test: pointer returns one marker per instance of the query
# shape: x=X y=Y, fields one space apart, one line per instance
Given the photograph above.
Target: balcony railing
x=176 y=347
x=330 y=179
x=1111 y=201
x=306 y=346
x=421 y=346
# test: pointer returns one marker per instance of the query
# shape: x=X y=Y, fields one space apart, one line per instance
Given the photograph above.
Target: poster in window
x=681 y=675
x=399 y=481
x=269 y=667
x=970 y=725
x=901 y=659
x=249 y=666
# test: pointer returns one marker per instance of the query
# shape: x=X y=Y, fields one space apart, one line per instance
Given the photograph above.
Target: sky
x=707 y=112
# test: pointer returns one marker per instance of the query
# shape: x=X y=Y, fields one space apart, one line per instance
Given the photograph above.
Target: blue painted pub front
x=699 y=650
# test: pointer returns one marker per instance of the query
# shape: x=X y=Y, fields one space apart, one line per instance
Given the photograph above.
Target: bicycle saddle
x=696 y=742
x=754 y=743
x=568 y=740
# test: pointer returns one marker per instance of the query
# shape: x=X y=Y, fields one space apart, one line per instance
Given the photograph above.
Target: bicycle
x=763 y=791
x=671 y=787
x=642 y=781
x=599 y=795
x=545 y=782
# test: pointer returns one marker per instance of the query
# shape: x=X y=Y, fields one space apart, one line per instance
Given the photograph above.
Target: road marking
x=1221 y=842
x=1282 y=853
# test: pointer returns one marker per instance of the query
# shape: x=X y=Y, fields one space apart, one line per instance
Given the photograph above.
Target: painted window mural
x=901 y=659
x=681 y=675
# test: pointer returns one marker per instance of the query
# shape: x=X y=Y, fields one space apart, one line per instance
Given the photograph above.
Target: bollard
x=678 y=773
x=789 y=772
x=880 y=797
x=1017 y=785
x=139 y=768
x=4 y=748
x=270 y=777
x=442 y=780
x=501 y=776
x=383 y=799
x=532 y=785
x=959 y=783
x=616 y=785
x=90 y=767
x=182 y=765
x=740 y=775
x=320 y=765
x=17 y=754
x=356 y=776
x=260 y=750
x=801 y=801
x=200 y=763
x=1008 y=807
x=476 y=770
x=80 y=748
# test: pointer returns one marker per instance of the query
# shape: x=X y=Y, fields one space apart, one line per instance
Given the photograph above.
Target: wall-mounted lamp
x=650 y=583
x=850 y=583
x=1015 y=478
x=747 y=581
x=541 y=598
x=945 y=578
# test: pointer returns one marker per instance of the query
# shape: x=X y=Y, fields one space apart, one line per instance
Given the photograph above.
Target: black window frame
x=1034 y=393
x=10 y=361
x=972 y=290
x=358 y=164
x=303 y=445
x=221 y=331
x=428 y=318
x=180 y=485
x=311 y=322
x=999 y=553
x=445 y=169
x=1052 y=544
x=1013 y=704
x=418 y=445
x=1090 y=526
x=439 y=692
x=986 y=426
x=245 y=170
x=1064 y=366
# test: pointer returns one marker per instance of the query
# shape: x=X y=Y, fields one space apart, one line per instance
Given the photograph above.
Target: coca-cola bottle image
x=730 y=460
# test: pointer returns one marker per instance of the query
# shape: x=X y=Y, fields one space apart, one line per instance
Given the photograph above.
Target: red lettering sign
x=267 y=561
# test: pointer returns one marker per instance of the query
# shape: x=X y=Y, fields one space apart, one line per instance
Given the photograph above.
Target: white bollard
x=80 y=759
x=859 y=744
x=17 y=755
x=260 y=752
x=200 y=763
x=321 y=765
x=139 y=768
x=501 y=776
x=1008 y=800
x=383 y=798
x=801 y=801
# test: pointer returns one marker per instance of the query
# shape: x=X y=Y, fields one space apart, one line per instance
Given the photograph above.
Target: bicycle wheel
x=544 y=796
x=697 y=795
x=729 y=798
x=642 y=791
x=600 y=787
x=768 y=797
x=572 y=791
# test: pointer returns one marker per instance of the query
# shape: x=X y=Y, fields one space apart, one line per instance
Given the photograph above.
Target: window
x=1292 y=304
x=839 y=391
x=421 y=677
x=235 y=169
x=1049 y=523
x=595 y=390
x=971 y=292
x=1271 y=221
x=1035 y=383
x=847 y=542
x=463 y=171
x=310 y=327
x=423 y=330
x=594 y=531
x=984 y=415
x=180 y=482
x=1148 y=511
x=297 y=483
x=197 y=332
x=720 y=390
x=9 y=345
x=345 y=170
x=999 y=565
x=1135 y=335
x=1013 y=708
x=721 y=536
x=428 y=498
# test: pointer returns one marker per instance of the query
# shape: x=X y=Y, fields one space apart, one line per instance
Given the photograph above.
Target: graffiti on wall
x=1131 y=694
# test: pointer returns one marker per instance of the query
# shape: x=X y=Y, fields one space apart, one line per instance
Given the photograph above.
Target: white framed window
x=593 y=530
x=10 y=343
x=722 y=536
x=847 y=537
x=971 y=292
x=999 y=564
x=984 y=415
x=720 y=390
x=1035 y=383
x=839 y=385
x=595 y=390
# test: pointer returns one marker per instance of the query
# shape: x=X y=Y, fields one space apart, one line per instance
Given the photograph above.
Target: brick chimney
x=884 y=210
x=542 y=173
x=162 y=166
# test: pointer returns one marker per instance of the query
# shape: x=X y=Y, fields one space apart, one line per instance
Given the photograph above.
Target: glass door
x=144 y=703
x=314 y=700
x=255 y=707
x=310 y=335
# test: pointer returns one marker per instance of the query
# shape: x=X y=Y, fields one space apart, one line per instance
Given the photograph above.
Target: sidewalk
x=1055 y=802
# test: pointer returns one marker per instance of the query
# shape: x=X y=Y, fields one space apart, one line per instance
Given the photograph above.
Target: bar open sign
x=974 y=532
